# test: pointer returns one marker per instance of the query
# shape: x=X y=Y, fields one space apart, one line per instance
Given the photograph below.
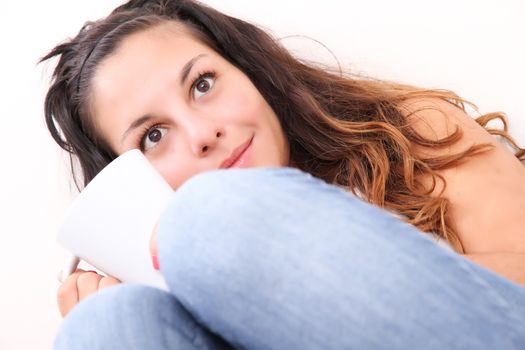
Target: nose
x=204 y=135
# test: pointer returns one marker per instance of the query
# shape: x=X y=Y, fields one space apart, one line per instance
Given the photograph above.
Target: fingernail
x=155 y=261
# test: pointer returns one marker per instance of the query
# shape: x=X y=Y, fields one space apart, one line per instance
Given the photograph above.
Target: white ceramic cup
x=109 y=224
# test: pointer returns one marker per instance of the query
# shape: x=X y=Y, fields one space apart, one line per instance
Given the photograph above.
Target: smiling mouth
x=238 y=157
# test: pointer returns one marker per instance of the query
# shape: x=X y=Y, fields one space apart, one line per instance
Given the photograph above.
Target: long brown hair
x=345 y=130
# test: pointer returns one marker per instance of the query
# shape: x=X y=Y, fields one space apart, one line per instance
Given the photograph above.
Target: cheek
x=242 y=104
x=281 y=144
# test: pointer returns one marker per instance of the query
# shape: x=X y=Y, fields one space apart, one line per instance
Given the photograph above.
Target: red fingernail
x=155 y=261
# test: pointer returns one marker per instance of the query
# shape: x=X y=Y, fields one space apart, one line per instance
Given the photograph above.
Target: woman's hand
x=81 y=284
x=78 y=286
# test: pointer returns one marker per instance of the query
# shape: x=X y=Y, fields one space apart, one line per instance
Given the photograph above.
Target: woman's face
x=188 y=109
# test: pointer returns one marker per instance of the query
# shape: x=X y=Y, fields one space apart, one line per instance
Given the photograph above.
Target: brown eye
x=203 y=85
x=152 y=137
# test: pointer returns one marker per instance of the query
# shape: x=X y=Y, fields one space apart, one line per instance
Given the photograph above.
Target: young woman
x=278 y=257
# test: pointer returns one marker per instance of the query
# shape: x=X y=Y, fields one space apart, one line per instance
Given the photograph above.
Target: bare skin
x=80 y=285
x=509 y=265
x=487 y=191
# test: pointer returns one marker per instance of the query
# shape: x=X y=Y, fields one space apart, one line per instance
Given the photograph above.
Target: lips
x=236 y=155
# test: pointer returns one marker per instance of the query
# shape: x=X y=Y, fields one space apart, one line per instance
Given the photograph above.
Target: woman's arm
x=487 y=191
x=509 y=265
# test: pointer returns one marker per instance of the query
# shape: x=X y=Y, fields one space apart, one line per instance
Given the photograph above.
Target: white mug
x=109 y=224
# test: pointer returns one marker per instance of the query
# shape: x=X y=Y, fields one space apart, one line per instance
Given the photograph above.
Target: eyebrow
x=134 y=125
x=186 y=69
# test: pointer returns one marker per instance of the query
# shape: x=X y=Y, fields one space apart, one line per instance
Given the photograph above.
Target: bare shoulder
x=435 y=119
x=487 y=191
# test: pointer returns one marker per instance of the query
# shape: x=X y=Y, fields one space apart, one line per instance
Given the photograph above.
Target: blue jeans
x=277 y=259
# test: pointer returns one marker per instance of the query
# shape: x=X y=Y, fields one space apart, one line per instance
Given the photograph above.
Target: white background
x=473 y=47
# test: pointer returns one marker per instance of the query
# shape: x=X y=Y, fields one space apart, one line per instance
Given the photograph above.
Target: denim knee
x=219 y=206
x=218 y=194
x=214 y=205
x=132 y=317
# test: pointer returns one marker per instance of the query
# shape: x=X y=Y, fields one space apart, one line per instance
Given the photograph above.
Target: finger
x=107 y=281
x=67 y=293
x=87 y=284
x=153 y=249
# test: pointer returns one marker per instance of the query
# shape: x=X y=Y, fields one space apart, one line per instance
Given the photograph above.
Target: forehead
x=167 y=40
x=143 y=57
